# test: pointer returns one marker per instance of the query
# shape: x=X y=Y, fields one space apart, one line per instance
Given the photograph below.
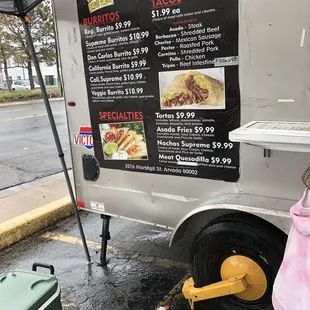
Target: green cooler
x=26 y=290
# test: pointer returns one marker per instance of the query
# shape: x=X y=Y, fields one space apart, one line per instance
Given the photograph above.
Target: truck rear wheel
x=232 y=245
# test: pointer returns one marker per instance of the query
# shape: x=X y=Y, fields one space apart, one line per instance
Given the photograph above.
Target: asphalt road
x=28 y=151
x=141 y=274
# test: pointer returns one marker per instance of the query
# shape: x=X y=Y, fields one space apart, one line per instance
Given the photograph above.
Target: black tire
x=237 y=234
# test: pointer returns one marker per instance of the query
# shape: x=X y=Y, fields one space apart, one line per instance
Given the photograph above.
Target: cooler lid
x=275 y=135
x=23 y=290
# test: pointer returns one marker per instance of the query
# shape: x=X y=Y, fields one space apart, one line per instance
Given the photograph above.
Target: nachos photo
x=95 y=5
x=194 y=88
x=124 y=141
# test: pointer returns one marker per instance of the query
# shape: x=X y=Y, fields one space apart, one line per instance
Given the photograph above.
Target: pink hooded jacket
x=291 y=289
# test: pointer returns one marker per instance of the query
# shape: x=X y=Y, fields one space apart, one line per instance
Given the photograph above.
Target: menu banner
x=163 y=85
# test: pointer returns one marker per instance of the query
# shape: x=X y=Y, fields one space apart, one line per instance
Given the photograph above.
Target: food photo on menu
x=124 y=141
x=95 y=5
x=194 y=89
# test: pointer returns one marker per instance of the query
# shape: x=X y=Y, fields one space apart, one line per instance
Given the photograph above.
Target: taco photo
x=124 y=141
x=196 y=89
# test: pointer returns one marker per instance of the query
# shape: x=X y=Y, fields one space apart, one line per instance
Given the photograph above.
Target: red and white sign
x=84 y=138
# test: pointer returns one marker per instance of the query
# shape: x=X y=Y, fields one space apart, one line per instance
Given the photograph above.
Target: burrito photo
x=95 y=5
x=205 y=89
x=178 y=94
x=194 y=88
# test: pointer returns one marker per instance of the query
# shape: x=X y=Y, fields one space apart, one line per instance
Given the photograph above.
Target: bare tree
x=6 y=51
x=49 y=50
x=43 y=33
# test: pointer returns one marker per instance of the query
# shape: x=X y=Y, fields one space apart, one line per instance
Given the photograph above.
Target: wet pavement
x=28 y=150
x=142 y=271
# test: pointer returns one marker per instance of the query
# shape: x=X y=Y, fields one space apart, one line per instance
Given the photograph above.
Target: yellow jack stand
x=227 y=287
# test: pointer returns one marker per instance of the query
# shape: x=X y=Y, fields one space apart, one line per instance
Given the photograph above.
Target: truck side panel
x=274 y=51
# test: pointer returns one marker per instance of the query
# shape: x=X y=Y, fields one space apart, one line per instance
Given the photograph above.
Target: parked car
x=20 y=85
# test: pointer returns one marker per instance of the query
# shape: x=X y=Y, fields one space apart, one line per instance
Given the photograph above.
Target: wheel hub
x=255 y=276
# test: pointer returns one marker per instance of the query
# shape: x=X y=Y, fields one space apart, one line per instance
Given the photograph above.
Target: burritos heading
x=194 y=88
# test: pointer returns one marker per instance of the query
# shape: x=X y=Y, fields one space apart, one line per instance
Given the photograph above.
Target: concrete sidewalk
x=30 y=207
x=21 y=199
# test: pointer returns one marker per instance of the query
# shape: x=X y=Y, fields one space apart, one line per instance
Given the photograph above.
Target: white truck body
x=273 y=64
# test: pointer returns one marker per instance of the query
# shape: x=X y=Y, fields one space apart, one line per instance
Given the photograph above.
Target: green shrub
x=25 y=95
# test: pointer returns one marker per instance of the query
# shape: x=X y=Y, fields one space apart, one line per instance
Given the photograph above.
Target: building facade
x=17 y=72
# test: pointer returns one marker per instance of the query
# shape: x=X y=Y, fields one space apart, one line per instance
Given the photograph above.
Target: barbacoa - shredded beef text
x=199 y=93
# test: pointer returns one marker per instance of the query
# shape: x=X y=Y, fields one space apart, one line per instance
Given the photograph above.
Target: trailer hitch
x=227 y=287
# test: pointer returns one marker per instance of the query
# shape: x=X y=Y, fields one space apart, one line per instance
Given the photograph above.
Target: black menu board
x=163 y=85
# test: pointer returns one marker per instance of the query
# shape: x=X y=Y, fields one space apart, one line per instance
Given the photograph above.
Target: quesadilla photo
x=121 y=134
x=124 y=141
x=129 y=137
x=134 y=141
x=137 y=151
x=194 y=88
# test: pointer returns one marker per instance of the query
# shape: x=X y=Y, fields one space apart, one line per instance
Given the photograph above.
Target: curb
x=20 y=103
x=29 y=223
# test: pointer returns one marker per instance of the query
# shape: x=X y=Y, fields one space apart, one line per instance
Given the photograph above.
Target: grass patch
x=25 y=95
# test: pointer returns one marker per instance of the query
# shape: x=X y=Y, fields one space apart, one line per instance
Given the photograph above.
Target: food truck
x=194 y=116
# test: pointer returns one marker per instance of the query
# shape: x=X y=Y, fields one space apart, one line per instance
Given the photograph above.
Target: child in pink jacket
x=291 y=289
